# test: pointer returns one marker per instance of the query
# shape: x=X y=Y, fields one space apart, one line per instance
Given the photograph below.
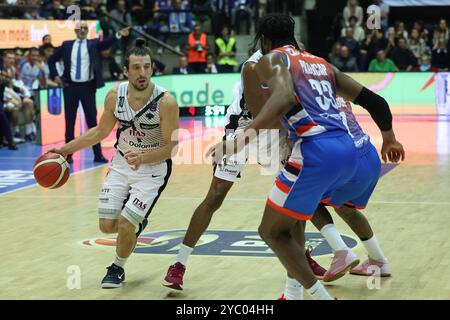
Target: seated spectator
x=352 y=9
x=115 y=71
x=425 y=65
x=358 y=31
x=210 y=64
x=20 y=99
x=92 y=11
x=5 y=127
x=423 y=32
x=32 y=72
x=177 y=23
x=241 y=10
x=183 y=67
x=443 y=31
x=54 y=10
x=416 y=44
x=400 y=31
x=374 y=42
x=403 y=58
x=158 y=67
x=382 y=64
x=345 y=62
x=349 y=42
x=334 y=54
x=440 y=57
x=197 y=49
x=391 y=40
x=33 y=14
x=225 y=49
x=122 y=14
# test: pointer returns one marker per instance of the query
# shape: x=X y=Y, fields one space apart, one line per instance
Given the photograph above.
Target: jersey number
x=325 y=91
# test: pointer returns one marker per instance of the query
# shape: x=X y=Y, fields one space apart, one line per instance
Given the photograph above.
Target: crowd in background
x=393 y=47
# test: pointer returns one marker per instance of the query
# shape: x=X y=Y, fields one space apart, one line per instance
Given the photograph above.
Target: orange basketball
x=51 y=170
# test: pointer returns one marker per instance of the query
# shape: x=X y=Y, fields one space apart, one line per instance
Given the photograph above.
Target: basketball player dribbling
x=323 y=159
x=239 y=115
x=147 y=116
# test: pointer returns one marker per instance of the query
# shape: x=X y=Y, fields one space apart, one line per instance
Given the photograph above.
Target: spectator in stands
x=241 y=10
x=220 y=15
x=352 y=9
x=158 y=67
x=349 y=42
x=25 y=104
x=391 y=40
x=441 y=34
x=47 y=39
x=374 y=42
x=5 y=126
x=440 y=57
x=345 y=62
x=92 y=11
x=425 y=65
x=176 y=24
x=46 y=51
x=416 y=44
x=32 y=72
x=358 y=31
x=382 y=64
x=197 y=49
x=225 y=50
x=400 y=31
x=115 y=71
x=183 y=67
x=334 y=54
x=54 y=10
x=403 y=58
x=20 y=60
x=384 y=9
x=423 y=32
x=211 y=66
x=33 y=14
x=122 y=14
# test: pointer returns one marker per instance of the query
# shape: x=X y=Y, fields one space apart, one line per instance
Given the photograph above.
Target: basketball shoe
x=369 y=267
x=174 y=276
x=114 y=277
x=343 y=261
x=316 y=268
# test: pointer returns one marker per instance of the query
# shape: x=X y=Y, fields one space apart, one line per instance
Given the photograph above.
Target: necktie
x=78 y=70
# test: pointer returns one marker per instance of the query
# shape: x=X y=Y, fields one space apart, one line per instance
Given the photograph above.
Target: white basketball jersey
x=138 y=131
x=238 y=114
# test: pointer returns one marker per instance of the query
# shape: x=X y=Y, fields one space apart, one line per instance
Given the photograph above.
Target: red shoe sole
x=174 y=286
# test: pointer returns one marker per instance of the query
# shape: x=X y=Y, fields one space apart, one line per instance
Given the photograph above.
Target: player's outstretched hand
x=223 y=148
x=133 y=159
x=393 y=151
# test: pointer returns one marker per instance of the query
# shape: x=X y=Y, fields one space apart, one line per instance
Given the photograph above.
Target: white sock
x=318 y=292
x=118 y=261
x=183 y=254
x=333 y=237
x=293 y=290
x=373 y=249
x=28 y=128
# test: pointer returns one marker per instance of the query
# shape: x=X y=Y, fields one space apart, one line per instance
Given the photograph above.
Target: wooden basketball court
x=43 y=232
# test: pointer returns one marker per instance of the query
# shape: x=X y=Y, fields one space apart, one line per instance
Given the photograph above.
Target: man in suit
x=82 y=76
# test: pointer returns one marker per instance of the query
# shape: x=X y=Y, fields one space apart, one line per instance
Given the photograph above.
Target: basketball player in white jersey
x=147 y=115
x=238 y=117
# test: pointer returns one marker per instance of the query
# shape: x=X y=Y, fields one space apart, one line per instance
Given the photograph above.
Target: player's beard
x=138 y=87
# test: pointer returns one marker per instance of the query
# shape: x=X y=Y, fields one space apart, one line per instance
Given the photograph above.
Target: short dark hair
x=140 y=49
x=278 y=28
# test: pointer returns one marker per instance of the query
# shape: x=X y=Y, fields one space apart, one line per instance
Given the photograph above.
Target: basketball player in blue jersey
x=148 y=116
x=303 y=97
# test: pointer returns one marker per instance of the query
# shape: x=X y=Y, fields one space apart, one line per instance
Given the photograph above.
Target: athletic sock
x=118 y=261
x=373 y=249
x=293 y=290
x=318 y=292
x=333 y=237
x=183 y=254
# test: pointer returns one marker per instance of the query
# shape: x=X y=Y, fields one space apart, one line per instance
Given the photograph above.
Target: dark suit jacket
x=176 y=70
x=64 y=52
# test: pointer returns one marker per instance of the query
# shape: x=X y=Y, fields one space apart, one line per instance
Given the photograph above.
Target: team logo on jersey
x=149 y=116
x=146 y=126
x=218 y=243
x=121 y=101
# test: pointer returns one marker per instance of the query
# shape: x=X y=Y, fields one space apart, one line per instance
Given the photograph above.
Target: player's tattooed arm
x=169 y=113
x=96 y=134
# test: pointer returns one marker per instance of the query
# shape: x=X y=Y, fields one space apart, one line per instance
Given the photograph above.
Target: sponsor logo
x=218 y=243
x=149 y=116
x=143 y=146
x=139 y=204
x=146 y=126
x=121 y=102
x=135 y=133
